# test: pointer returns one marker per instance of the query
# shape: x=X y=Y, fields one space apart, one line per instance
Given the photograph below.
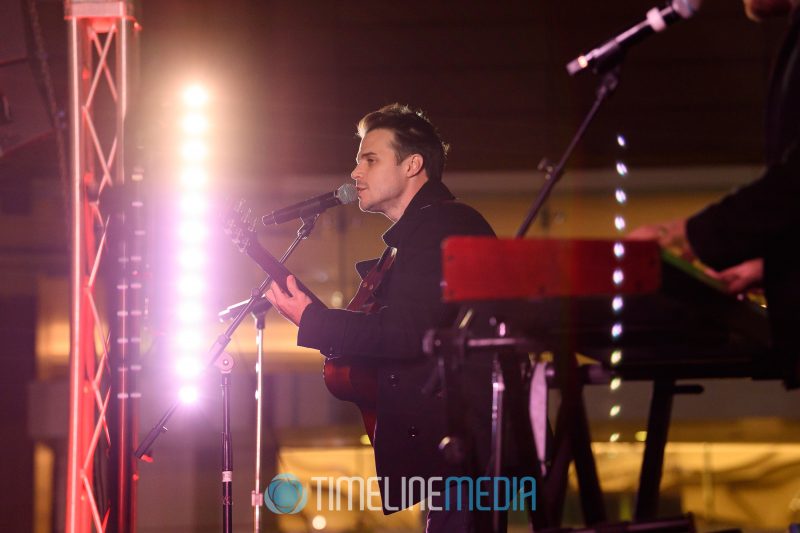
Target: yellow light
x=195 y=96
x=616 y=357
x=614 y=437
x=640 y=436
x=319 y=523
x=614 y=411
x=615 y=383
x=365 y=440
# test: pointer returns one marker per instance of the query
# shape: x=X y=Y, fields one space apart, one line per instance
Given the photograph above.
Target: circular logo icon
x=285 y=495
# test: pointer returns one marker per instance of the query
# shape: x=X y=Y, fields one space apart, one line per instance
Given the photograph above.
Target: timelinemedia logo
x=287 y=495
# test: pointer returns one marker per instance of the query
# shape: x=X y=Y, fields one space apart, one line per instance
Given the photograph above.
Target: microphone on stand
x=657 y=20
x=345 y=194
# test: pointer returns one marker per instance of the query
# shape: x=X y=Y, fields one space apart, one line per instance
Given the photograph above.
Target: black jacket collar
x=433 y=192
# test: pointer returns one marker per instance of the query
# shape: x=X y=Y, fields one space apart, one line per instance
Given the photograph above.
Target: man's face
x=380 y=180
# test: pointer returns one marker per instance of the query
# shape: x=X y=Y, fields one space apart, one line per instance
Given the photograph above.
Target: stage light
x=192 y=232
x=619 y=250
x=621 y=142
x=188 y=394
x=622 y=169
x=618 y=277
x=614 y=411
x=614 y=437
x=194 y=124
x=191 y=284
x=617 y=304
x=619 y=222
x=189 y=312
x=194 y=150
x=616 y=331
x=194 y=177
x=195 y=96
x=192 y=259
x=616 y=357
x=615 y=383
x=193 y=203
x=640 y=436
x=319 y=523
x=187 y=341
x=187 y=367
x=190 y=235
x=621 y=197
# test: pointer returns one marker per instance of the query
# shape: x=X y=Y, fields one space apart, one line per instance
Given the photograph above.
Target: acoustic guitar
x=346 y=378
x=354 y=380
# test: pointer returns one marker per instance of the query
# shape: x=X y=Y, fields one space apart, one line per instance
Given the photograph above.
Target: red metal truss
x=101 y=41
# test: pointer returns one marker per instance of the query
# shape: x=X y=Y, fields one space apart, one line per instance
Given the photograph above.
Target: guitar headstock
x=240 y=225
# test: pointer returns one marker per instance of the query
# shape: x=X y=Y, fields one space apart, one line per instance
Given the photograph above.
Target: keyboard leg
x=657 y=432
x=653 y=460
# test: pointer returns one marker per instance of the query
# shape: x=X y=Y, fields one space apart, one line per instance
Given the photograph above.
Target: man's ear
x=414 y=165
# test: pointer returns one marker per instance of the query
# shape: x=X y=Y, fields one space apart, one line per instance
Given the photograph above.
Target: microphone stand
x=610 y=71
x=224 y=363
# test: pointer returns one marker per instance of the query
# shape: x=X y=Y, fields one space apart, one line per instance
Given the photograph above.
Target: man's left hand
x=290 y=305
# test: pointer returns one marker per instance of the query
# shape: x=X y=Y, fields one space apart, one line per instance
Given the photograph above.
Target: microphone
x=657 y=20
x=345 y=194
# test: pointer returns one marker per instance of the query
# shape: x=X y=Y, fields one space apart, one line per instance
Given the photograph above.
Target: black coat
x=410 y=424
x=763 y=218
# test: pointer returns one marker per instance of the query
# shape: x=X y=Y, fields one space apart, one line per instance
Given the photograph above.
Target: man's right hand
x=670 y=235
x=741 y=277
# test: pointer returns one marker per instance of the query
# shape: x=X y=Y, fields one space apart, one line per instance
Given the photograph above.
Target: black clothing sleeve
x=412 y=295
x=745 y=224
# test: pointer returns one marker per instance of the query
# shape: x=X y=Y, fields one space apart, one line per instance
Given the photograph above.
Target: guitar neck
x=276 y=270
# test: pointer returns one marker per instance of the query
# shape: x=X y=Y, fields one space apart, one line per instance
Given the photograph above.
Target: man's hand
x=741 y=277
x=290 y=305
x=670 y=235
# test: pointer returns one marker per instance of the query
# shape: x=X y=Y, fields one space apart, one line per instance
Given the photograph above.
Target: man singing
x=398 y=174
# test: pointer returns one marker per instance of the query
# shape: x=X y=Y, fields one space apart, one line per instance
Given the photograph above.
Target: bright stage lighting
x=189 y=312
x=192 y=259
x=188 y=394
x=187 y=341
x=319 y=523
x=193 y=177
x=192 y=232
x=194 y=150
x=195 y=96
x=190 y=238
x=188 y=368
x=190 y=285
x=193 y=203
x=194 y=124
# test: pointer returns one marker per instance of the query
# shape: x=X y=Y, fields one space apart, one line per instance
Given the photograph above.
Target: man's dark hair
x=413 y=134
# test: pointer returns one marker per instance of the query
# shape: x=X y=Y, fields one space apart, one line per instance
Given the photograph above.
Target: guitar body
x=355 y=380
x=347 y=379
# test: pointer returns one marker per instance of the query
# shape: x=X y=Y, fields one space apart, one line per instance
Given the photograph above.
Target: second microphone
x=345 y=194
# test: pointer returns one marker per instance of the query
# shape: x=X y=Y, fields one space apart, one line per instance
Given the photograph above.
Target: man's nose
x=356 y=173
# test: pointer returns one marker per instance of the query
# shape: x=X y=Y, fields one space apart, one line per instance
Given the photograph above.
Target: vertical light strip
x=190 y=236
x=618 y=278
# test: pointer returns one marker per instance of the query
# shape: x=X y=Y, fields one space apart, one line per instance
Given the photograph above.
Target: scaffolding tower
x=106 y=243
